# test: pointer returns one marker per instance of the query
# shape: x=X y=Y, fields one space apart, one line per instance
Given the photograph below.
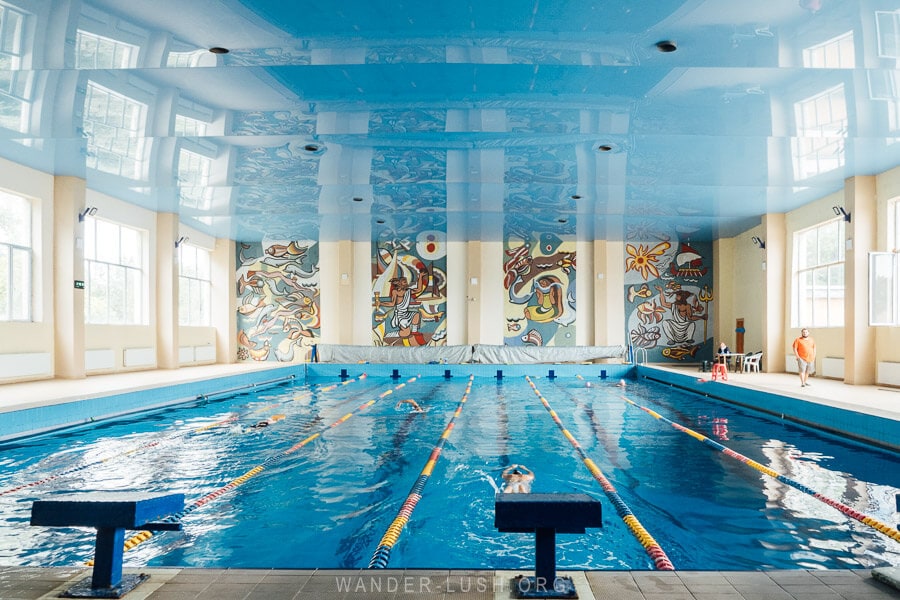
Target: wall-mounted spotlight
x=758 y=242
x=90 y=210
x=181 y=240
x=839 y=210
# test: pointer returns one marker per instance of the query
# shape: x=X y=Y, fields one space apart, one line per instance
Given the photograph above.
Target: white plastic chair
x=751 y=362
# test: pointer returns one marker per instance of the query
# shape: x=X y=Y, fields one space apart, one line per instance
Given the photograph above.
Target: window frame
x=884 y=273
x=191 y=283
x=25 y=303
x=833 y=318
x=130 y=275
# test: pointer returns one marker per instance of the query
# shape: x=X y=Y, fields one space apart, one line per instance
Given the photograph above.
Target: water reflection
x=779 y=104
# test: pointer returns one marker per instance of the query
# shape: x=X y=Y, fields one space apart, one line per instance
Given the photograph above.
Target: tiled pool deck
x=242 y=584
x=31 y=583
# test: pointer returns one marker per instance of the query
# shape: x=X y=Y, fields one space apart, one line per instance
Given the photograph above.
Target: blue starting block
x=110 y=513
x=545 y=515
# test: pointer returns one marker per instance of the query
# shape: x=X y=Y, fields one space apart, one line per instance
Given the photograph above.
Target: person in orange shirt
x=805 y=351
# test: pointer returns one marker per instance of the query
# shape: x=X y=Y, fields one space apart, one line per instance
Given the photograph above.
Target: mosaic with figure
x=278 y=300
x=539 y=279
x=409 y=290
x=669 y=299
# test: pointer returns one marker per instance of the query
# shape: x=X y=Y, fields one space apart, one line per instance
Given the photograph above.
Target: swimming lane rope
x=382 y=554
x=892 y=533
x=235 y=483
x=175 y=435
x=646 y=540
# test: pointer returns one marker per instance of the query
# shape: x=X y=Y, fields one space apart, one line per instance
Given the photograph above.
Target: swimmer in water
x=621 y=383
x=415 y=405
x=518 y=479
x=266 y=422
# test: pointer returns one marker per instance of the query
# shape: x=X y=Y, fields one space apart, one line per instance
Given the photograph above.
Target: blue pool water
x=326 y=500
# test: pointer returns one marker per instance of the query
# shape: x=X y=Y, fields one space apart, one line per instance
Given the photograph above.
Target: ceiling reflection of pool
x=340 y=461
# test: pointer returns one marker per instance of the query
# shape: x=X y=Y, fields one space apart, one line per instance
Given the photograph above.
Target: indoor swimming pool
x=343 y=474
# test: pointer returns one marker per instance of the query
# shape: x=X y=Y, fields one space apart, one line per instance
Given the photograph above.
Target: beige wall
x=744 y=288
x=763 y=297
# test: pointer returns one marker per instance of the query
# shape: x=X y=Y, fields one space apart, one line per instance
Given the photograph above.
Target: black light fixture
x=181 y=240
x=666 y=46
x=90 y=210
x=839 y=210
x=758 y=242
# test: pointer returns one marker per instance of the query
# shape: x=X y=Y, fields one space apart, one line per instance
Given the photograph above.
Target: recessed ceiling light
x=666 y=46
x=219 y=50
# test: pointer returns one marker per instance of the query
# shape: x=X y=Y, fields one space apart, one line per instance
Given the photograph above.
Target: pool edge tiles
x=842 y=421
x=54 y=415
x=538 y=370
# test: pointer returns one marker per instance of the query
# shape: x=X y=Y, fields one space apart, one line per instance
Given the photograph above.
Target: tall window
x=836 y=53
x=114 y=125
x=194 y=286
x=884 y=274
x=887 y=28
x=190 y=58
x=98 y=52
x=15 y=258
x=16 y=81
x=193 y=179
x=188 y=126
x=819 y=275
x=114 y=274
x=821 y=124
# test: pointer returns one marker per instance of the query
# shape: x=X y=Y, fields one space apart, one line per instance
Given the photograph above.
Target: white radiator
x=140 y=357
x=888 y=373
x=99 y=360
x=205 y=353
x=833 y=367
x=26 y=364
x=185 y=355
x=790 y=364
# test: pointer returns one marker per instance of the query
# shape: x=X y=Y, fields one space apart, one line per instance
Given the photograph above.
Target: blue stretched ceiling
x=324 y=119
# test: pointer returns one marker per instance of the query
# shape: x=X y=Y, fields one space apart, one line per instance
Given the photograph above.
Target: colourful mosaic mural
x=278 y=300
x=539 y=279
x=409 y=290
x=669 y=299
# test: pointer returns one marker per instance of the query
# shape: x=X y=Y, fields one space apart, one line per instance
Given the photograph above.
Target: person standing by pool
x=518 y=479
x=805 y=351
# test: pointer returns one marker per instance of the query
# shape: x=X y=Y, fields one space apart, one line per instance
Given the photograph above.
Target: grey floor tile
x=653 y=583
x=867 y=590
x=168 y=594
x=225 y=591
x=322 y=596
x=273 y=591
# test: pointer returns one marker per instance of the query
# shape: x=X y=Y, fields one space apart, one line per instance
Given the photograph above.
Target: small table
x=738 y=359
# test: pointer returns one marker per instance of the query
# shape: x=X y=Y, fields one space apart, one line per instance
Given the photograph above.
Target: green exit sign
x=79 y=285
